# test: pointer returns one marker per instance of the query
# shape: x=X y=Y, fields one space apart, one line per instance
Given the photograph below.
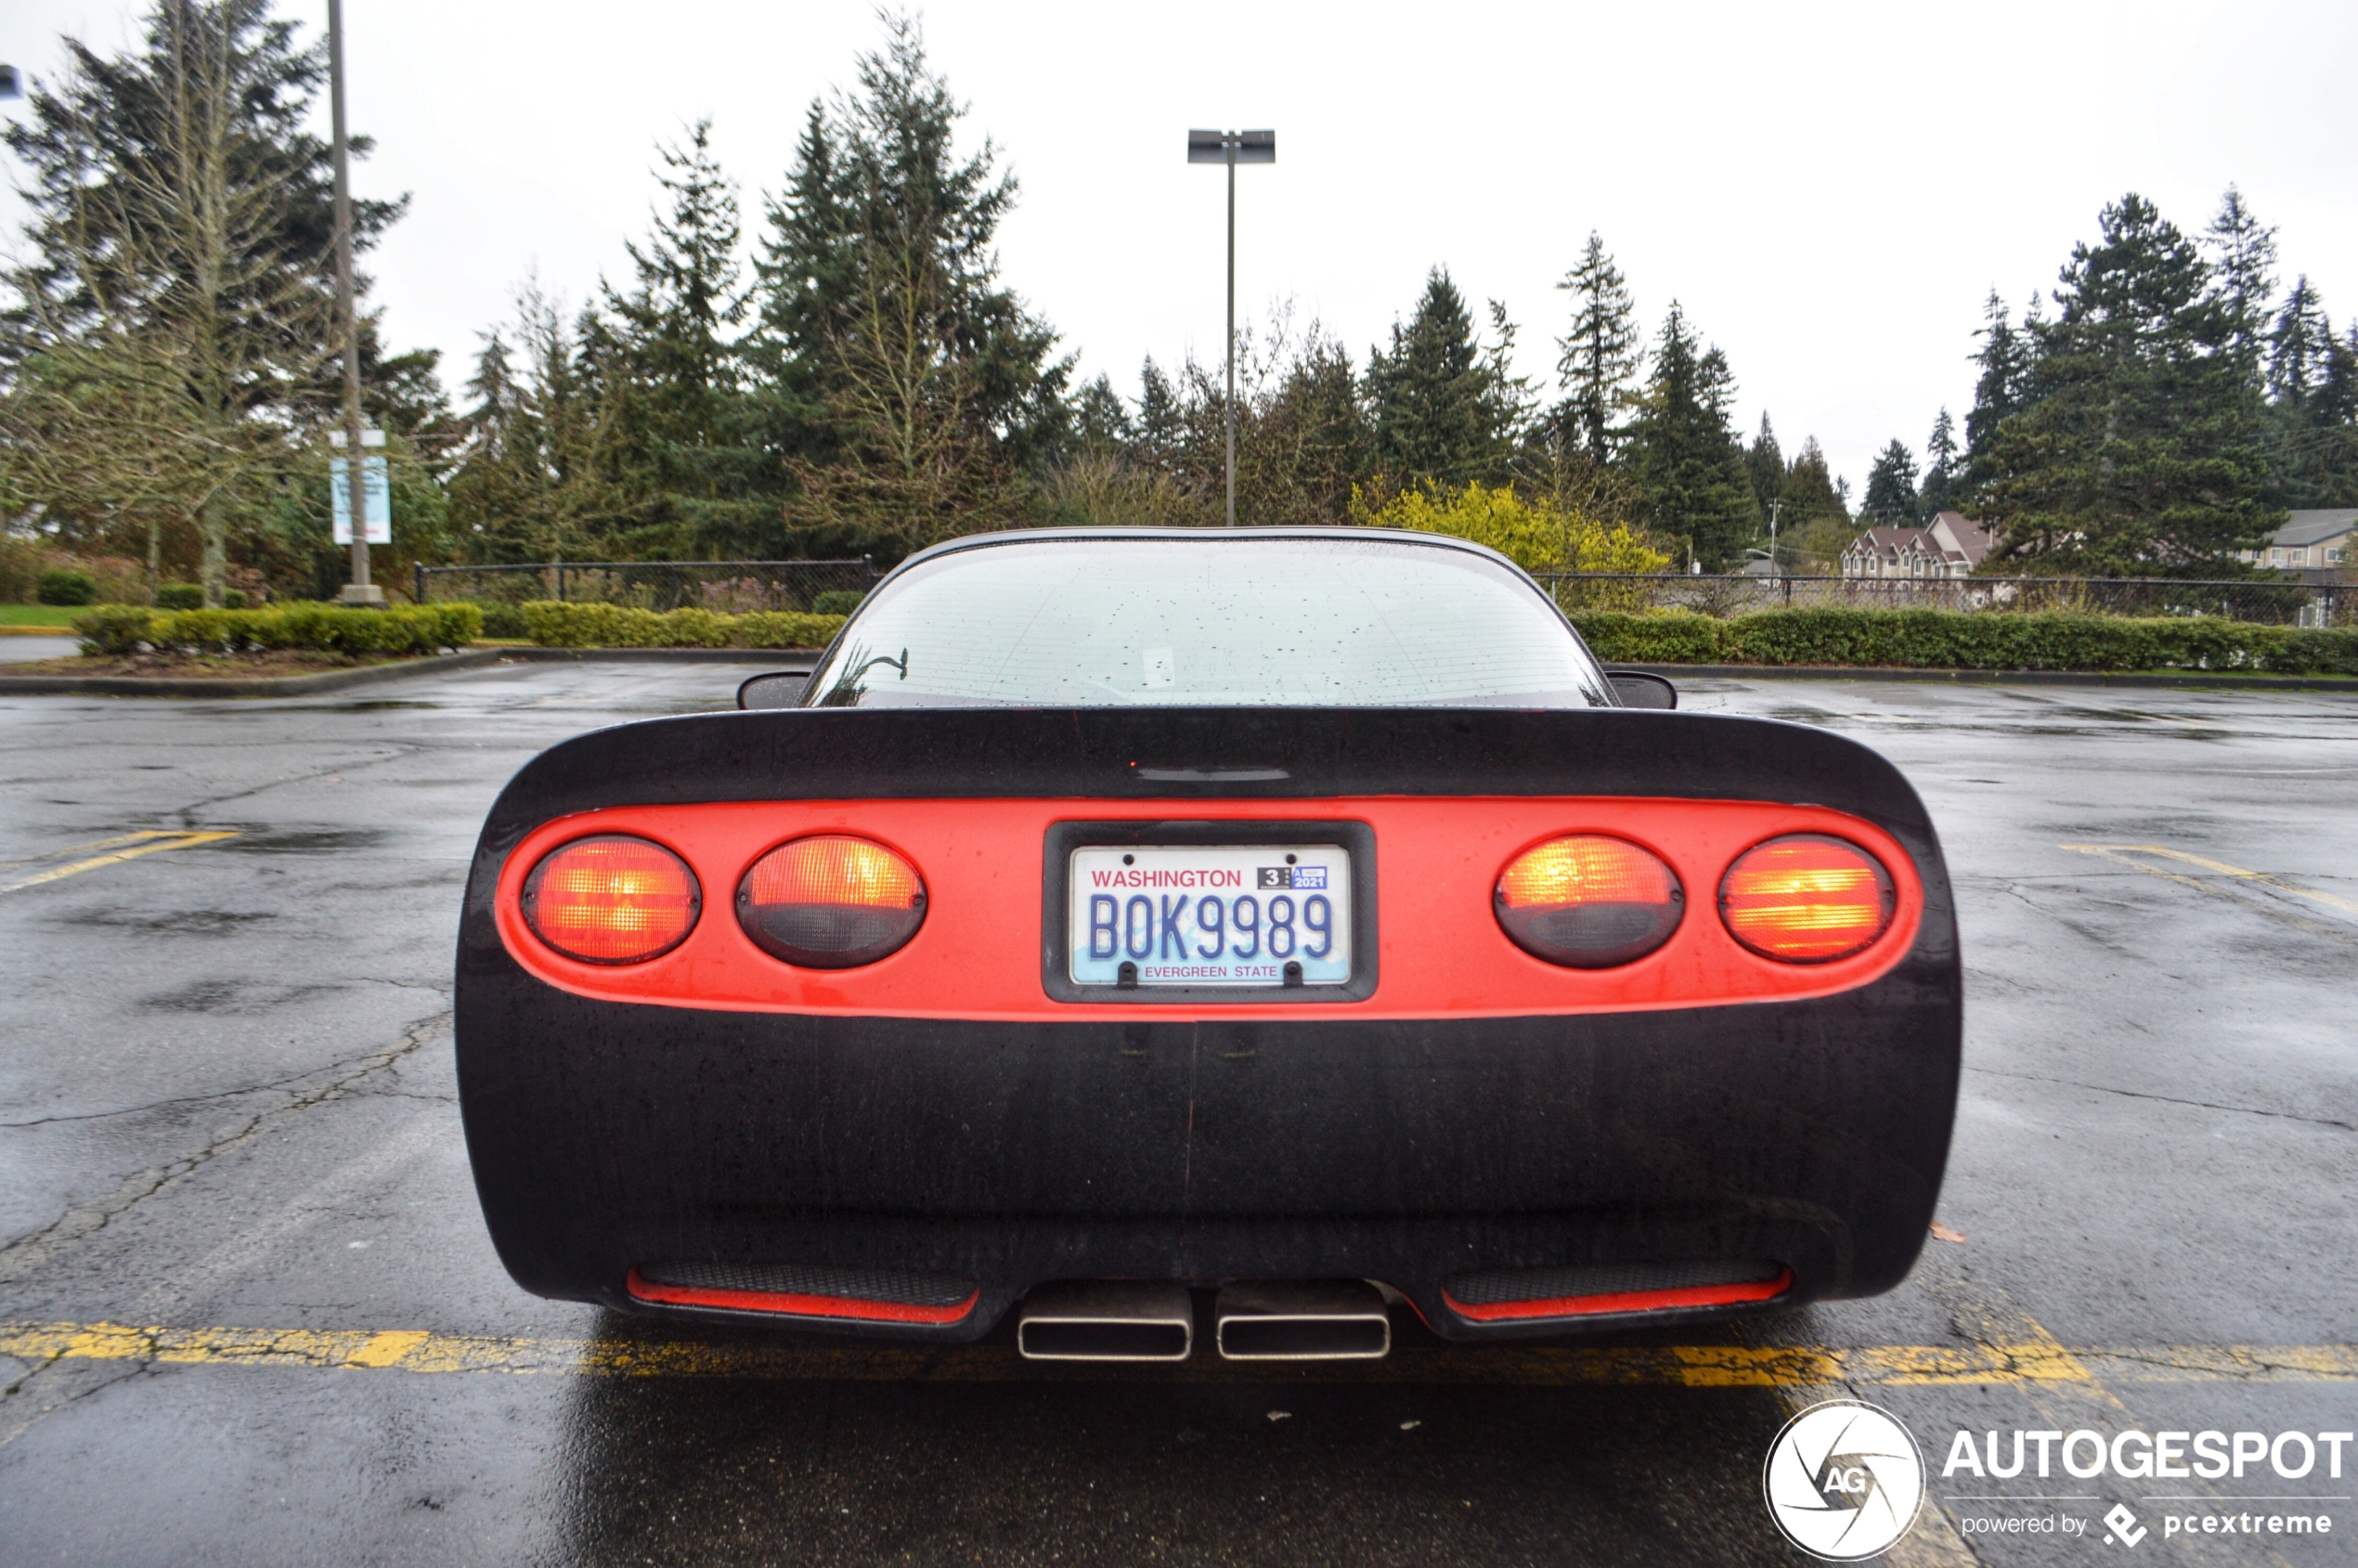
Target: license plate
x=1211 y=915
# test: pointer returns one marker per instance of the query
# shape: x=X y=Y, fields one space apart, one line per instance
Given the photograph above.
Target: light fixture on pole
x=1232 y=147
x=359 y=590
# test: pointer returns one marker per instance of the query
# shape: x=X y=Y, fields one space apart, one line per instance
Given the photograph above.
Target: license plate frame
x=1356 y=838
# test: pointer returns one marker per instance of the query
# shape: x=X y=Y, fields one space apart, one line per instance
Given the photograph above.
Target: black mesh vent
x=1497 y=1287
x=902 y=1287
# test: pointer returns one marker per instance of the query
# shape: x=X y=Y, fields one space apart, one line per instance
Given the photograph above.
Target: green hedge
x=410 y=628
x=1959 y=640
x=554 y=625
x=64 y=586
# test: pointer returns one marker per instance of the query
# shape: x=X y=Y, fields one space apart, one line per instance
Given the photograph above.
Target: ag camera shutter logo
x=1843 y=1480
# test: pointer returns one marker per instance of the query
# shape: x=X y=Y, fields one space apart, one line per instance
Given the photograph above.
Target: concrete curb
x=369 y=675
x=2192 y=679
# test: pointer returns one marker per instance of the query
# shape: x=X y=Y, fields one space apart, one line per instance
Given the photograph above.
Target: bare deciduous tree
x=171 y=342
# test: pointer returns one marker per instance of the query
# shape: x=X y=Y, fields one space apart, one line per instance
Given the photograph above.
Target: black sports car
x=1117 y=917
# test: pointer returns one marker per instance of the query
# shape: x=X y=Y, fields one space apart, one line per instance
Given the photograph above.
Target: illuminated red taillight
x=831 y=902
x=1589 y=901
x=612 y=900
x=1807 y=899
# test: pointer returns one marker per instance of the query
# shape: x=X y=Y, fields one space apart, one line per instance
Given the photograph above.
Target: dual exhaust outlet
x=1260 y=1320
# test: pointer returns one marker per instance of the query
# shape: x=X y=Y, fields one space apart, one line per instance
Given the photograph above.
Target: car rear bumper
x=609 y=1137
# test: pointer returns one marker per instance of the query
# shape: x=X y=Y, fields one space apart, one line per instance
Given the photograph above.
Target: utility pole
x=1773 y=568
x=1232 y=147
x=359 y=590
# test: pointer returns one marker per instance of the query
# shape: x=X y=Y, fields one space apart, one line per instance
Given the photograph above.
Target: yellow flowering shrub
x=1539 y=535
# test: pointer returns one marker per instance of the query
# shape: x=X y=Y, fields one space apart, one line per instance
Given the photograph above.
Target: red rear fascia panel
x=780 y=1303
x=1626 y=1300
x=978 y=955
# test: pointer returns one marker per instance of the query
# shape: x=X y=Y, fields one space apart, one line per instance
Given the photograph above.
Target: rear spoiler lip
x=1220 y=752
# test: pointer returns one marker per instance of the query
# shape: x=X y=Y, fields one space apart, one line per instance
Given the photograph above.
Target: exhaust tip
x=1106 y=1320
x=1310 y=1320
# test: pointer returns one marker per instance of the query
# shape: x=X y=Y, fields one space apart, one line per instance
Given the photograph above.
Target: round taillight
x=1589 y=901
x=612 y=900
x=1807 y=899
x=831 y=902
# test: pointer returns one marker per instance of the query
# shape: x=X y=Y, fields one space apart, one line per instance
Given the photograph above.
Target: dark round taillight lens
x=831 y=902
x=1589 y=901
x=1807 y=899
x=612 y=900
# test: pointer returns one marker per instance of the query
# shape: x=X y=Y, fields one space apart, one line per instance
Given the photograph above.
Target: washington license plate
x=1214 y=916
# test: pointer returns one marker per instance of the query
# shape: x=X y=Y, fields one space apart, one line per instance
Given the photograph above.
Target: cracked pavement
x=226 y=1098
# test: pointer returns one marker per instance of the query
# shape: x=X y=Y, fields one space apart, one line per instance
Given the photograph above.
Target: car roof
x=1207 y=535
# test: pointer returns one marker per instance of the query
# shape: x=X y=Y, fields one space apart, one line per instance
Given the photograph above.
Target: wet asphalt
x=226 y=1100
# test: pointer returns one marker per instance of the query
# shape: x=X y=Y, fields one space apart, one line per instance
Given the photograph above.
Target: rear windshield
x=1219 y=619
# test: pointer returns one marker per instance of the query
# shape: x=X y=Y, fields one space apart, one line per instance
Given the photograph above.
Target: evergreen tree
x=172 y=347
x=682 y=452
x=1303 y=441
x=2004 y=358
x=1101 y=422
x=2336 y=414
x=1814 y=525
x=2338 y=399
x=2298 y=345
x=2140 y=451
x=1936 y=494
x=1892 y=500
x=494 y=489
x=913 y=386
x=2313 y=413
x=1446 y=408
x=1598 y=359
x=2245 y=253
x=533 y=482
x=1812 y=493
x=1688 y=463
x=808 y=266
x=1161 y=425
x=1764 y=464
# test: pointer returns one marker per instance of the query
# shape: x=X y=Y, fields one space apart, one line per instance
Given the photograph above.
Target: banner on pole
x=376 y=493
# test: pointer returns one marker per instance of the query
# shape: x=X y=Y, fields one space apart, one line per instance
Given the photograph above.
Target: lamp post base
x=366 y=596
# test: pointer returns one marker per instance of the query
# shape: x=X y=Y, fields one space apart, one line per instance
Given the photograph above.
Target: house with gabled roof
x=1951 y=545
x=2317 y=541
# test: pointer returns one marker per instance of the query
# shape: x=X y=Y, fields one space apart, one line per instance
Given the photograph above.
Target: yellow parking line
x=416 y=1350
x=98 y=844
x=2113 y=851
x=154 y=842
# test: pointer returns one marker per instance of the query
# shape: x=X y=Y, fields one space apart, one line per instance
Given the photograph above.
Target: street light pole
x=360 y=591
x=1232 y=147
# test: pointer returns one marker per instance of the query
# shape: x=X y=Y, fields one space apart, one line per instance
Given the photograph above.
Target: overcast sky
x=1829 y=190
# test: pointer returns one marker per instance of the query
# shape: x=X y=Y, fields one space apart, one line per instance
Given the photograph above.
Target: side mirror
x=1638 y=689
x=781 y=688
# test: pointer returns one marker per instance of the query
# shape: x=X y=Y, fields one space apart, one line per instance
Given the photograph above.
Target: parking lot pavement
x=248 y=1312
x=26 y=650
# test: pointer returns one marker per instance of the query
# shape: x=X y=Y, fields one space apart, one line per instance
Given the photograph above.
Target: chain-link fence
x=735 y=587
x=730 y=587
x=2278 y=603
